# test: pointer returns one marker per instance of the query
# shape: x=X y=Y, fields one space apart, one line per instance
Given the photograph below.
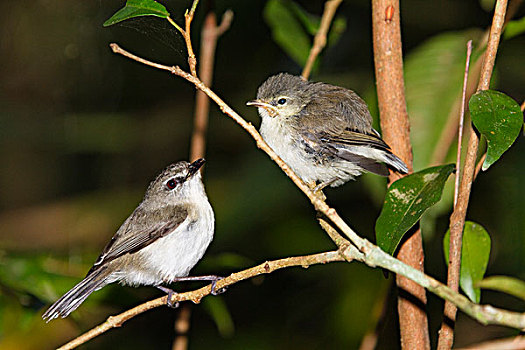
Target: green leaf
x=505 y=284
x=499 y=118
x=487 y=5
x=287 y=31
x=434 y=78
x=405 y=202
x=219 y=312
x=293 y=28
x=137 y=8
x=312 y=23
x=514 y=28
x=475 y=253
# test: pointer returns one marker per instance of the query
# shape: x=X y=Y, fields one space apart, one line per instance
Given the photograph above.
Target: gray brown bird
x=159 y=243
x=323 y=132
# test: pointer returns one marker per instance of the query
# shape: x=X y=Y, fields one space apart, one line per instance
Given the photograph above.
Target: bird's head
x=282 y=95
x=179 y=182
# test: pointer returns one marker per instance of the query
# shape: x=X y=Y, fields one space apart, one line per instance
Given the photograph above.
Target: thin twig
x=395 y=126
x=479 y=165
x=196 y=295
x=209 y=35
x=457 y=219
x=461 y=121
x=330 y=7
x=366 y=252
x=340 y=241
x=523 y=106
x=226 y=22
x=450 y=130
x=188 y=16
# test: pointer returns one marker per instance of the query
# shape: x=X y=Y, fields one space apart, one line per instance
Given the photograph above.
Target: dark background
x=83 y=131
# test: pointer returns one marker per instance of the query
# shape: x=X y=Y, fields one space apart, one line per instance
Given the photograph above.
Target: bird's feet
x=170 y=302
x=318 y=189
x=212 y=278
x=215 y=291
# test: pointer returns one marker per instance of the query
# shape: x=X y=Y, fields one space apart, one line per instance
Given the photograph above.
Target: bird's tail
x=395 y=162
x=72 y=299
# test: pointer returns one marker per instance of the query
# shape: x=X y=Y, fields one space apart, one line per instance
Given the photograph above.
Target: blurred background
x=83 y=131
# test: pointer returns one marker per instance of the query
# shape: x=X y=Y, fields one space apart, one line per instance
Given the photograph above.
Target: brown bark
x=395 y=126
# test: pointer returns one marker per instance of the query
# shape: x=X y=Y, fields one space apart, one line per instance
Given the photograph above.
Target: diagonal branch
x=196 y=295
x=330 y=7
x=461 y=121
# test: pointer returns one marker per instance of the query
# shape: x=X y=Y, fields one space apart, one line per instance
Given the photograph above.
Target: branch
x=461 y=121
x=330 y=7
x=196 y=295
x=450 y=130
x=395 y=127
x=366 y=252
x=209 y=36
x=456 y=237
x=457 y=219
x=182 y=326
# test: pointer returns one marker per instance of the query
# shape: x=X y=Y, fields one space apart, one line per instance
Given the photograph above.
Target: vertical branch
x=210 y=34
x=457 y=219
x=461 y=120
x=188 y=16
x=395 y=127
x=182 y=326
x=330 y=7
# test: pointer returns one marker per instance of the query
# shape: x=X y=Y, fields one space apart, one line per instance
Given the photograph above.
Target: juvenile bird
x=159 y=243
x=323 y=132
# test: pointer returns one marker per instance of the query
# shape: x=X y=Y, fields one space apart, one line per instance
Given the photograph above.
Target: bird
x=159 y=243
x=323 y=132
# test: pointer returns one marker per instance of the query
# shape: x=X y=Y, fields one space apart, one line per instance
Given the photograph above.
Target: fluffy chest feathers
x=175 y=254
x=306 y=158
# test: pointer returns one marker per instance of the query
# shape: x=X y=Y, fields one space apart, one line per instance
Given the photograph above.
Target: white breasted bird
x=323 y=132
x=159 y=243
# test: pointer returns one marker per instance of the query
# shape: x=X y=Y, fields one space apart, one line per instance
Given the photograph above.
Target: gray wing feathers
x=369 y=164
x=137 y=233
x=396 y=163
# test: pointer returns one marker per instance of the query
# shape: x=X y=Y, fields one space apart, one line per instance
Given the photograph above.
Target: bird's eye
x=171 y=183
x=281 y=101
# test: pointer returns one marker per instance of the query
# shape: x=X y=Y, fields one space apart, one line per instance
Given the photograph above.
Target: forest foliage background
x=83 y=131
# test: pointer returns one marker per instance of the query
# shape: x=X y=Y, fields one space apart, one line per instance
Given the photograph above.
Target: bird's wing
x=355 y=138
x=343 y=145
x=140 y=230
x=335 y=109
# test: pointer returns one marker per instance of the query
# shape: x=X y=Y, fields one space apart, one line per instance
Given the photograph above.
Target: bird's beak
x=195 y=166
x=272 y=111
